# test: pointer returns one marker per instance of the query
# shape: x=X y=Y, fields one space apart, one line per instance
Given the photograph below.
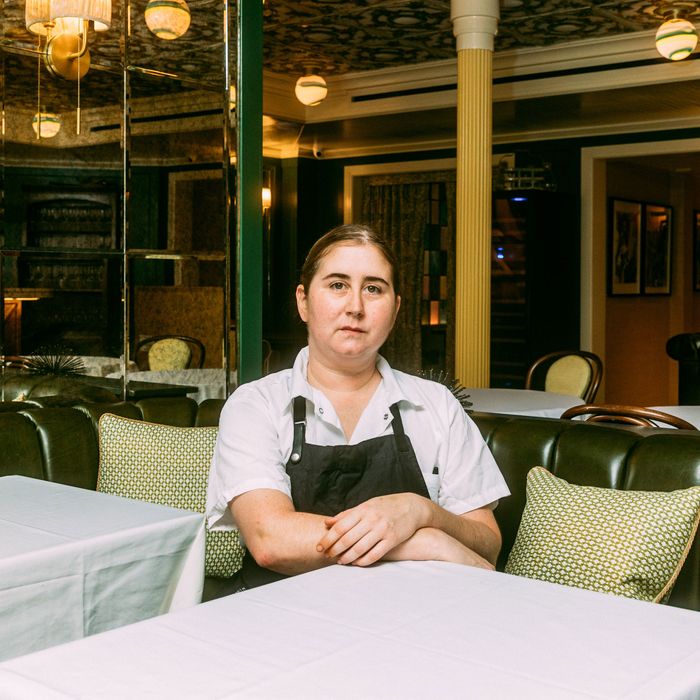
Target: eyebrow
x=342 y=276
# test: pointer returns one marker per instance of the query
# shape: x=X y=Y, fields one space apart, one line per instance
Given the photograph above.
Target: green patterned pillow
x=166 y=465
x=630 y=543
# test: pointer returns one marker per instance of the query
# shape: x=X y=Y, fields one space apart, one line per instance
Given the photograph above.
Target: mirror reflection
x=115 y=159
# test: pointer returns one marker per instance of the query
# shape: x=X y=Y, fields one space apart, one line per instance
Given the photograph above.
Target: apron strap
x=299 y=428
x=402 y=442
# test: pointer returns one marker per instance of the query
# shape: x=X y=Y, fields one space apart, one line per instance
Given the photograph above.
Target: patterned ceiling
x=341 y=36
x=333 y=37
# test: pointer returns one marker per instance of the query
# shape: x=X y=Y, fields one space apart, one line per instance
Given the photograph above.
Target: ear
x=398 y=306
x=301 y=302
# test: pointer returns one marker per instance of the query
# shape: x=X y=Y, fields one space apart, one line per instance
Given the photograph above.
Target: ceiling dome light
x=311 y=90
x=46 y=124
x=676 y=39
x=168 y=19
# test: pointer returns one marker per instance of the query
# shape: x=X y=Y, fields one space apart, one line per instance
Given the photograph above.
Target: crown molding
x=518 y=74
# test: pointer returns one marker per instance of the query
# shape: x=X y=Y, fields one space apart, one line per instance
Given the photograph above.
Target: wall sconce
x=676 y=38
x=168 y=19
x=65 y=25
x=46 y=124
x=266 y=198
x=311 y=90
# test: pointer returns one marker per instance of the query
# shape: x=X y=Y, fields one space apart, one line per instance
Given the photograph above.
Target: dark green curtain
x=399 y=213
x=396 y=206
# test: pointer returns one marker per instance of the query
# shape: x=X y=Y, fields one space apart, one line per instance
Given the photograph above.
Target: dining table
x=392 y=630
x=75 y=562
x=521 y=402
x=204 y=383
x=687 y=413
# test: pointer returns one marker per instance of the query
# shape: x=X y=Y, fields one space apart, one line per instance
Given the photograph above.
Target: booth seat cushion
x=630 y=543
x=168 y=465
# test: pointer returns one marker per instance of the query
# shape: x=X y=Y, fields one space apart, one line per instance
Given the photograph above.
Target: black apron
x=328 y=479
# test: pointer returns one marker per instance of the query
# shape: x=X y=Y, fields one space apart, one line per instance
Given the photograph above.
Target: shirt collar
x=300 y=387
x=394 y=390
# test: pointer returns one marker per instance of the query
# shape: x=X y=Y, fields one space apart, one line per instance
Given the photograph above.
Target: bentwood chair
x=572 y=372
x=631 y=415
x=169 y=352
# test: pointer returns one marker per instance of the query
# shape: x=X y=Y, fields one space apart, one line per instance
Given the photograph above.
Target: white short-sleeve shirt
x=256 y=432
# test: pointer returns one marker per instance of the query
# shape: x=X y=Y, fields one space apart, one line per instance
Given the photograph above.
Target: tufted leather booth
x=60 y=444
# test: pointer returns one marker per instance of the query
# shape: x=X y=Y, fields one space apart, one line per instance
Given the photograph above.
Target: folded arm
x=394 y=528
x=371 y=531
x=279 y=537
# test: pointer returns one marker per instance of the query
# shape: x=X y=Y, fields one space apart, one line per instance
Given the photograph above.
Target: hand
x=364 y=534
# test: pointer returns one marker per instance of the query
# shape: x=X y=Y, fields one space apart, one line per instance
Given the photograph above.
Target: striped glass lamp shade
x=168 y=19
x=676 y=39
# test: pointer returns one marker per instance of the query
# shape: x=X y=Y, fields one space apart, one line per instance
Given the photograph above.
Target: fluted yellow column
x=474 y=23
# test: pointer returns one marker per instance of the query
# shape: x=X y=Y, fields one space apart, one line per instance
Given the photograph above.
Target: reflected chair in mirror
x=630 y=415
x=169 y=352
x=570 y=372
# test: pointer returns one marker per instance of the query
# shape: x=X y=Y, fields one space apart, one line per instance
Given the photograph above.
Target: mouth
x=351 y=329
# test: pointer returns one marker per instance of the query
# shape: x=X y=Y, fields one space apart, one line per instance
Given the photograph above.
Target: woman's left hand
x=364 y=534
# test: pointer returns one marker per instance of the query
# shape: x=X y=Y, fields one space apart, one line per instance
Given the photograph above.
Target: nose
x=355 y=305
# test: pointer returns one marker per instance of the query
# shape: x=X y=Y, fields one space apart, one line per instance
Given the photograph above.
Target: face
x=351 y=306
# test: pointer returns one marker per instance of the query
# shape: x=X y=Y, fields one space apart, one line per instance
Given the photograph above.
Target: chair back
x=169 y=352
x=575 y=373
x=632 y=415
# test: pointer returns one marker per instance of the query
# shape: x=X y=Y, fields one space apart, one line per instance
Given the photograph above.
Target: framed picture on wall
x=696 y=250
x=657 y=249
x=625 y=248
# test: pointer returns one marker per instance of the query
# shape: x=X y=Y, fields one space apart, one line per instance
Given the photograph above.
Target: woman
x=342 y=459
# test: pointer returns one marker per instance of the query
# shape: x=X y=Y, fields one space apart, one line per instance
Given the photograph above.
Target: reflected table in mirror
x=96 y=366
x=521 y=402
x=74 y=562
x=204 y=383
x=393 y=630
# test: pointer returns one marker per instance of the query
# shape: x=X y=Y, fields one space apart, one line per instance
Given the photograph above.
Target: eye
x=337 y=285
x=373 y=289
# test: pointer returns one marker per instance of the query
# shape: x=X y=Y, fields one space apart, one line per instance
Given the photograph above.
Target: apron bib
x=328 y=479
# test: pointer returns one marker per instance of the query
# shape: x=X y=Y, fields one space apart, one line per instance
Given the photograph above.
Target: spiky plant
x=53 y=362
x=442 y=377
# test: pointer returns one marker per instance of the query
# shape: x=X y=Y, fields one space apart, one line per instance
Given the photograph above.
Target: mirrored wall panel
x=115 y=165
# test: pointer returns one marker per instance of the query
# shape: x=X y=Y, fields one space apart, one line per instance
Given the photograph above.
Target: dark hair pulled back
x=353 y=234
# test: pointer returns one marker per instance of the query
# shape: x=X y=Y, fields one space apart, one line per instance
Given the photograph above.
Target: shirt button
x=320 y=410
x=386 y=416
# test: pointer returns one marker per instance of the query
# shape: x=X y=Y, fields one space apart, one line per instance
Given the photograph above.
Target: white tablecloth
x=522 y=402
x=404 y=630
x=689 y=413
x=74 y=562
x=96 y=366
x=210 y=383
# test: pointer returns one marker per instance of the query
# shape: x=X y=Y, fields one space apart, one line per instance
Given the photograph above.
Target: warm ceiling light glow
x=46 y=124
x=66 y=15
x=65 y=25
x=168 y=19
x=311 y=90
x=676 y=39
x=266 y=198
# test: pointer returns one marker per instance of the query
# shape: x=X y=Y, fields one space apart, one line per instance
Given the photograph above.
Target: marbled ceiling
x=333 y=37
x=341 y=36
